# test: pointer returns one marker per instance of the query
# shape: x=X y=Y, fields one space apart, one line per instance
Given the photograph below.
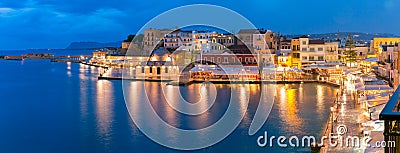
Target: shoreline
x=223 y=81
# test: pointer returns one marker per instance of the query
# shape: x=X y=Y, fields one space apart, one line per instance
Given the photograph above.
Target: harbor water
x=62 y=107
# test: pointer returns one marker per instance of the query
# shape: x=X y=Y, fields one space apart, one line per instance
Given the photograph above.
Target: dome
x=160 y=54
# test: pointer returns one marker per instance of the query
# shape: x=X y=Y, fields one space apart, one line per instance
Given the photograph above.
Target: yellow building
x=332 y=52
x=295 y=43
x=285 y=60
x=377 y=42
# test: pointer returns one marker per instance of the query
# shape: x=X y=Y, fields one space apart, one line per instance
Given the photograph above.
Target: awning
x=378 y=87
x=374 y=59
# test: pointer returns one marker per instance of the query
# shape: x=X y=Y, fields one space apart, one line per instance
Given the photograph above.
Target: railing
x=391 y=115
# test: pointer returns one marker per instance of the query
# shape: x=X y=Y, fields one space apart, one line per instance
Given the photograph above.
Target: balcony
x=391 y=115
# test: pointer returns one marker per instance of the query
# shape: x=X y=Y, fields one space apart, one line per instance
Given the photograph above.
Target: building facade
x=153 y=37
x=377 y=42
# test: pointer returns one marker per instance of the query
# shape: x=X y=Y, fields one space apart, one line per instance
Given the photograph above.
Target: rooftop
x=316 y=42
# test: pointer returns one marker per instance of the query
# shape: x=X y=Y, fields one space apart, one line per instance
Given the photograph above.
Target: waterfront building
x=295 y=43
x=178 y=38
x=219 y=42
x=265 y=42
x=284 y=57
x=230 y=59
x=125 y=44
x=161 y=65
x=311 y=51
x=99 y=55
x=152 y=38
x=332 y=52
x=202 y=41
x=224 y=73
x=246 y=37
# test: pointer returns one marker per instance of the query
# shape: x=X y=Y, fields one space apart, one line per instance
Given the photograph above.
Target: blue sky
x=56 y=23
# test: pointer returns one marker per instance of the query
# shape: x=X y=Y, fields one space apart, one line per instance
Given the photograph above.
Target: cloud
x=45 y=24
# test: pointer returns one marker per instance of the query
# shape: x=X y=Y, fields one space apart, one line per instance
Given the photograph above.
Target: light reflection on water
x=104 y=107
x=302 y=107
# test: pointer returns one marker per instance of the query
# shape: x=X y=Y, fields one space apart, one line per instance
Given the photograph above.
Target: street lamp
x=332 y=111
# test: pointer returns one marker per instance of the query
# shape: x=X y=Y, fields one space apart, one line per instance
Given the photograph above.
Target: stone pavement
x=347 y=120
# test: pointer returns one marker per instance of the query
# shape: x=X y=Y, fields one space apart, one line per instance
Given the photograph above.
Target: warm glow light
x=168 y=59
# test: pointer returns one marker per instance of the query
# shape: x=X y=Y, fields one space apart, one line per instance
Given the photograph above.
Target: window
x=304 y=42
x=212 y=59
x=142 y=69
x=219 y=59
x=166 y=70
x=296 y=55
x=158 y=70
x=205 y=59
x=320 y=49
x=312 y=49
x=320 y=58
x=151 y=70
x=233 y=60
x=311 y=58
x=225 y=59
x=240 y=60
x=246 y=60
x=304 y=58
x=304 y=49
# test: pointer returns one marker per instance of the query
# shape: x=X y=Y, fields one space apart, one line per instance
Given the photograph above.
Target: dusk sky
x=56 y=23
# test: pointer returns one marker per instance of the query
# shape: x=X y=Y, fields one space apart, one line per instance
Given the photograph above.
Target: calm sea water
x=57 y=52
x=59 y=107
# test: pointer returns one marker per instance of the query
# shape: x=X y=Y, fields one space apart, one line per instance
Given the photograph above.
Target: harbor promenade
x=347 y=118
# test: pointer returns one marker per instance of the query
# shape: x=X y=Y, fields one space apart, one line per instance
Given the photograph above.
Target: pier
x=72 y=59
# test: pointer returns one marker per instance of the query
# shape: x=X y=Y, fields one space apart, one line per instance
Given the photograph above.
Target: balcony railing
x=391 y=115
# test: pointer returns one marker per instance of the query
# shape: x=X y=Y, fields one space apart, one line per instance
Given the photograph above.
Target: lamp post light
x=332 y=114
